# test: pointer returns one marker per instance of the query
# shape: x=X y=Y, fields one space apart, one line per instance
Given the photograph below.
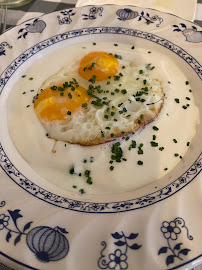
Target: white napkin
x=181 y=8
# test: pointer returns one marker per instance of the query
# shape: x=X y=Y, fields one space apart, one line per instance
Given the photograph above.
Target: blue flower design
x=170 y=230
x=118 y=260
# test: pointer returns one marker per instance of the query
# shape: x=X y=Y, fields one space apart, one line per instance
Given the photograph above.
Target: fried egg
x=108 y=97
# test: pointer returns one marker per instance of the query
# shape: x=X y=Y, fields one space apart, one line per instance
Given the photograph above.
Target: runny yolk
x=101 y=64
x=52 y=105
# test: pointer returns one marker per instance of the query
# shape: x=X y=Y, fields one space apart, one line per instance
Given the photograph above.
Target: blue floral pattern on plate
x=118 y=258
x=171 y=231
x=66 y=16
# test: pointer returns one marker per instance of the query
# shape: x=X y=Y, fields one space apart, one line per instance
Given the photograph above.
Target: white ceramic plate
x=45 y=227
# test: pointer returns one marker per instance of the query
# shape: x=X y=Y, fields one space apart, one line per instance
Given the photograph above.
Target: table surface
x=39 y=7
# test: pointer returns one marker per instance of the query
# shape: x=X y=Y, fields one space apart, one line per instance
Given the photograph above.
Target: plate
x=45 y=227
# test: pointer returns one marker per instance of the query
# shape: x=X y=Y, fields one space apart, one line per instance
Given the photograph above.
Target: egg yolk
x=54 y=104
x=101 y=64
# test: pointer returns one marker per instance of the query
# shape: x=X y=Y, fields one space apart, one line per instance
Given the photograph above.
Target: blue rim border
x=90 y=207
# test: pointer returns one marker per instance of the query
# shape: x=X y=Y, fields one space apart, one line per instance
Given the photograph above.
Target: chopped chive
x=141 y=71
x=177 y=100
x=70 y=95
x=123 y=91
x=112 y=134
x=175 y=141
x=176 y=155
x=71 y=171
x=28 y=106
x=161 y=148
x=24 y=93
x=61 y=94
x=140 y=162
x=133 y=47
x=165 y=169
x=30 y=78
x=188 y=143
x=187 y=98
x=154 y=137
x=186 y=82
x=115 y=45
x=23 y=76
x=94 y=43
x=74 y=186
x=155 y=128
x=154 y=144
x=82 y=191
x=184 y=107
x=84 y=105
x=69 y=113
x=111 y=168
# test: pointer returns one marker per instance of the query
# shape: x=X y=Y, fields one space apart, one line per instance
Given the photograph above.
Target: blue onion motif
x=47 y=243
x=36 y=27
x=126 y=14
x=191 y=34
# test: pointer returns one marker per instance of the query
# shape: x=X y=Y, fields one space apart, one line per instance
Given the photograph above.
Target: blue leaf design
x=142 y=13
x=147 y=14
x=183 y=25
x=73 y=14
x=20 y=30
x=15 y=215
x=194 y=27
x=27 y=226
x=35 y=20
x=177 y=247
x=132 y=236
x=184 y=251
x=135 y=246
x=17 y=239
x=162 y=250
x=178 y=30
x=19 y=37
x=8 y=236
x=140 y=18
x=174 y=25
x=116 y=235
x=119 y=243
x=25 y=34
x=170 y=259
